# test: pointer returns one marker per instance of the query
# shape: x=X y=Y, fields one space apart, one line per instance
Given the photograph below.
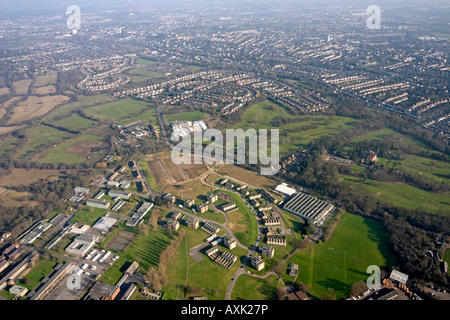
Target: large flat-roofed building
x=277 y=240
x=210 y=228
x=188 y=203
x=81 y=245
x=213 y=198
x=120 y=194
x=102 y=204
x=257 y=263
x=192 y=223
x=268 y=251
x=202 y=208
x=399 y=276
x=139 y=215
x=228 y=207
x=173 y=224
x=168 y=197
x=34 y=233
x=308 y=207
x=103 y=291
x=59 y=272
x=229 y=242
x=285 y=189
x=104 y=223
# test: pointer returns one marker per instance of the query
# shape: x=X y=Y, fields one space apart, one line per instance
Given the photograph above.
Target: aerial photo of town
x=352 y=100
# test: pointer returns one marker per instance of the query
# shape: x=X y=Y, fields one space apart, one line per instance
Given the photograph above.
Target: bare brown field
x=21 y=86
x=247 y=176
x=161 y=176
x=5 y=105
x=4 y=90
x=45 y=80
x=235 y=217
x=19 y=177
x=175 y=171
x=45 y=90
x=4 y=130
x=82 y=148
x=188 y=190
x=35 y=106
x=11 y=198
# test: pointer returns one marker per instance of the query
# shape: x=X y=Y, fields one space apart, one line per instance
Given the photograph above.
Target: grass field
x=88 y=215
x=144 y=249
x=149 y=176
x=8 y=145
x=73 y=151
x=261 y=116
x=83 y=101
x=21 y=86
x=118 y=110
x=186 y=116
x=35 y=106
x=34 y=277
x=244 y=224
x=246 y=176
x=250 y=288
x=402 y=195
x=146 y=62
x=74 y=122
x=138 y=75
x=46 y=79
x=148 y=116
x=333 y=266
x=40 y=136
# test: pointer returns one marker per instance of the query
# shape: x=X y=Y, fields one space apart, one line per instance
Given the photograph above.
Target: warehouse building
x=104 y=223
x=308 y=207
x=102 y=204
x=81 y=245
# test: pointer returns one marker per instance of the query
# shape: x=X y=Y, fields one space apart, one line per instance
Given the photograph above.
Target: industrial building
x=104 y=223
x=80 y=245
x=103 y=291
x=120 y=194
x=284 y=189
x=59 y=272
x=102 y=204
x=308 y=207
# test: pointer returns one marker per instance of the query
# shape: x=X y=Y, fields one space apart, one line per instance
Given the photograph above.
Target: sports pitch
x=121 y=241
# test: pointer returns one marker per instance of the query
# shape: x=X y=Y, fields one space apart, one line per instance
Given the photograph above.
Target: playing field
x=121 y=241
x=126 y=108
x=74 y=122
x=333 y=266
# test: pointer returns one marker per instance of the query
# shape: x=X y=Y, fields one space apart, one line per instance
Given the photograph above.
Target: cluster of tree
x=412 y=247
x=67 y=79
x=48 y=197
x=156 y=277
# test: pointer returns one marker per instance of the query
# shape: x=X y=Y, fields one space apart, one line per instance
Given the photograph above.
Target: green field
x=148 y=176
x=146 y=62
x=247 y=237
x=148 y=116
x=138 y=75
x=88 y=215
x=40 y=136
x=58 y=154
x=292 y=135
x=144 y=249
x=34 y=277
x=8 y=145
x=250 y=288
x=82 y=101
x=402 y=195
x=333 y=266
x=74 y=122
x=186 y=116
x=119 y=110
